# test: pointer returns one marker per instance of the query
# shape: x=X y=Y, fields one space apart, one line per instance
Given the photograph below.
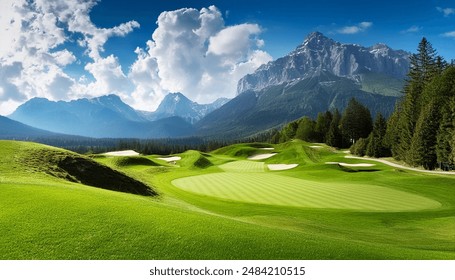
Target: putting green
x=264 y=188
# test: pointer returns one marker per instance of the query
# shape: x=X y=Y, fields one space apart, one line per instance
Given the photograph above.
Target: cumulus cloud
x=34 y=57
x=354 y=29
x=446 y=11
x=191 y=51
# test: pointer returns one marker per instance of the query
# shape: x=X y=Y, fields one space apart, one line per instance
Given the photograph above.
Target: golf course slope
x=28 y=159
x=220 y=205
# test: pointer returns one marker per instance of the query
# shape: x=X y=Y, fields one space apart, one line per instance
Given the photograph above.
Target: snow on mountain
x=318 y=54
x=177 y=104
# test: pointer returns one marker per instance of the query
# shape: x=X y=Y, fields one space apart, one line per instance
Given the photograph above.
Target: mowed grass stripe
x=243 y=166
x=274 y=189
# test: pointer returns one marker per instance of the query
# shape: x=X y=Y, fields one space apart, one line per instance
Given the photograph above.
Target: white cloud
x=354 y=29
x=109 y=77
x=33 y=57
x=191 y=51
x=446 y=11
x=233 y=40
x=449 y=34
x=412 y=29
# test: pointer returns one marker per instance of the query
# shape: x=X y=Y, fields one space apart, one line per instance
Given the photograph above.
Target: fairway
x=263 y=188
x=218 y=205
x=243 y=166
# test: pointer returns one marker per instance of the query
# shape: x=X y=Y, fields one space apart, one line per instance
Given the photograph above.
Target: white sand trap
x=169 y=159
x=352 y=164
x=357 y=164
x=267 y=149
x=261 y=156
x=316 y=147
x=281 y=166
x=122 y=153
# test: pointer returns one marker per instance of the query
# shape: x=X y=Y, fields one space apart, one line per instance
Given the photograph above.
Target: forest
x=420 y=131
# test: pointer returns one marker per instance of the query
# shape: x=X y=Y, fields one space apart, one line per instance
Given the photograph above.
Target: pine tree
x=356 y=121
x=423 y=68
x=423 y=145
x=323 y=125
x=376 y=146
x=305 y=130
x=289 y=131
x=444 y=138
x=392 y=138
x=360 y=147
x=334 y=137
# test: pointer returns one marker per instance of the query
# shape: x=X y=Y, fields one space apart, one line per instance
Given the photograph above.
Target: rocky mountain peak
x=321 y=55
x=316 y=40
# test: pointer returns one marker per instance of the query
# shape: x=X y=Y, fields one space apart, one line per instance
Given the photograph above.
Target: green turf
x=243 y=166
x=377 y=212
x=280 y=190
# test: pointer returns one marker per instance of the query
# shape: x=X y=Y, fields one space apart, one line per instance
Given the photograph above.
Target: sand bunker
x=122 y=153
x=261 y=156
x=352 y=164
x=267 y=149
x=169 y=159
x=316 y=147
x=281 y=166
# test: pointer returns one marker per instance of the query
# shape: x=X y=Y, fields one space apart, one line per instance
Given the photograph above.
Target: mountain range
x=109 y=117
x=177 y=104
x=320 y=74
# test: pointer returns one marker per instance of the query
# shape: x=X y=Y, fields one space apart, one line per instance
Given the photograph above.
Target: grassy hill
x=222 y=205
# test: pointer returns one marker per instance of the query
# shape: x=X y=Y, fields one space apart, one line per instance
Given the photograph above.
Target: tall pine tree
x=334 y=137
x=376 y=145
x=423 y=68
x=356 y=121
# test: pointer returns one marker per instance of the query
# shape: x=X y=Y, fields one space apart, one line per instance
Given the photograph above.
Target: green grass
x=243 y=166
x=372 y=213
x=285 y=191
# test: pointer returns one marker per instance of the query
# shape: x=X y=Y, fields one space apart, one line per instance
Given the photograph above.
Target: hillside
x=29 y=160
x=10 y=129
x=273 y=106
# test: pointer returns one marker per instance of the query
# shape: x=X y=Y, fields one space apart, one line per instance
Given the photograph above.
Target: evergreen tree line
x=354 y=127
x=421 y=129
x=166 y=146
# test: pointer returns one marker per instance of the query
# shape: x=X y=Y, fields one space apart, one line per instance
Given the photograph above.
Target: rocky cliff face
x=320 y=54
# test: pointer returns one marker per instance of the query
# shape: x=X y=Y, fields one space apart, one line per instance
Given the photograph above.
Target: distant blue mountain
x=178 y=105
x=101 y=117
x=10 y=129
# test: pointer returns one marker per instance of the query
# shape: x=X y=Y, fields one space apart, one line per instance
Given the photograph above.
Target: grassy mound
x=194 y=160
x=62 y=164
x=133 y=161
x=241 y=150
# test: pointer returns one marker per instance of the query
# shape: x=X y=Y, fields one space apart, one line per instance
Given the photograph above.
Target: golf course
x=294 y=200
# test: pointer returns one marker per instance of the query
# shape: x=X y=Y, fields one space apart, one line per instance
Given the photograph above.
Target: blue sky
x=399 y=24
x=68 y=49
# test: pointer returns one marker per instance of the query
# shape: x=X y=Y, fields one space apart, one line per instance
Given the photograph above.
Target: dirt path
x=402 y=166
